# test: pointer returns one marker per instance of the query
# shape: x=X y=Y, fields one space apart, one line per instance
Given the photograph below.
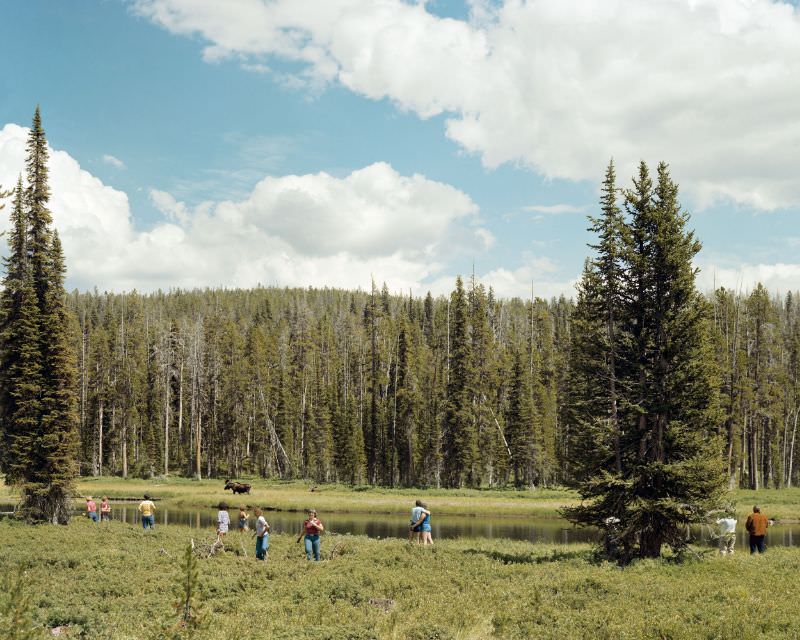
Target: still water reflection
x=396 y=526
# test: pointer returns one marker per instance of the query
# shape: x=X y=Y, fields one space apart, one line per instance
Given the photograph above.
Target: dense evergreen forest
x=368 y=387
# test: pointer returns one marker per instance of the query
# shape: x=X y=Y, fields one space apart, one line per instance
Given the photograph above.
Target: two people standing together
x=756 y=526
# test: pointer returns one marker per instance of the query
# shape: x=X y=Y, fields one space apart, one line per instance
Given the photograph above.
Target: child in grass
x=91 y=509
x=312 y=527
x=243 y=519
x=262 y=535
x=223 y=520
x=105 y=510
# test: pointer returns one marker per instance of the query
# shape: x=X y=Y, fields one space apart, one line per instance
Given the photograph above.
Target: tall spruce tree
x=459 y=433
x=670 y=470
x=37 y=386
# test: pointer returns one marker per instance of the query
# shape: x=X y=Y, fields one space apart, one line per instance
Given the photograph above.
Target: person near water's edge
x=756 y=526
x=262 y=535
x=727 y=534
x=148 y=511
x=91 y=509
x=312 y=527
x=414 y=529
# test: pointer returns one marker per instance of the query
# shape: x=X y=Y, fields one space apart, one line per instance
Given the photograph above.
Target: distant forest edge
x=359 y=387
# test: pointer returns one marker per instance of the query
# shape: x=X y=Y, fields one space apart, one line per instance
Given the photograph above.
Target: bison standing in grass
x=237 y=487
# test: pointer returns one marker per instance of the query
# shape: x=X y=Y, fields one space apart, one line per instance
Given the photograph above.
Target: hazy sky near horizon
x=328 y=142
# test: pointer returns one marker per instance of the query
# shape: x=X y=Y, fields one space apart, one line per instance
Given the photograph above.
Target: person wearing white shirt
x=262 y=535
x=727 y=534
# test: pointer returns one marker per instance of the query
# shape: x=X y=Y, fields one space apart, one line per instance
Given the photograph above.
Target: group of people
x=756 y=526
x=419 y=527
x=91 y=509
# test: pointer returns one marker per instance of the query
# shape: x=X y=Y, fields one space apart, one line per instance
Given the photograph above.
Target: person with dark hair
x=312 y=527
x=415 y=530
x=756 y=526
x=424 y=524
x=148 y=511
x=262 y=535
x=223 y=520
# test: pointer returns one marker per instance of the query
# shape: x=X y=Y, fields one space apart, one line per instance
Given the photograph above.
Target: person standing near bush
x=727 y=534
x=105 y=510
x=262 y=535
x=148 y=511
x=312 y=527
x=756 y=526
x=91 y=509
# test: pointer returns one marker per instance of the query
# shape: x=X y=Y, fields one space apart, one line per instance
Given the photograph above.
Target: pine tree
x=670 y=471
x=520 y=421
x=459 y=434
x=38 y=380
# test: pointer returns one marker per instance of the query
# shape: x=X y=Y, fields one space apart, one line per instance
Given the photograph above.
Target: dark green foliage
x=191 y=619
x=657 y=463
x=37 y=384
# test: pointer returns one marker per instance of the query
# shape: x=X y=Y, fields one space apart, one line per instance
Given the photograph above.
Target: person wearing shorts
x=414 y=529
x=223 y=520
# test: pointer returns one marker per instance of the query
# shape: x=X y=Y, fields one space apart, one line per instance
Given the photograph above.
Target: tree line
x=368 y=387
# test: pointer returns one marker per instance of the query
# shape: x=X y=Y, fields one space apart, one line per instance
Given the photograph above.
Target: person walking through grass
x=756 y=526
x=148 y=511
x=91 y=509
x=223 y=521
x=424 y=524
x=312 y=527
x=105 y=510
x=727 y=534
x=262 y=535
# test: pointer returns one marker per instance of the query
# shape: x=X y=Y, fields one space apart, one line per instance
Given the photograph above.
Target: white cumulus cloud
x=556 y=85
x=293 y=230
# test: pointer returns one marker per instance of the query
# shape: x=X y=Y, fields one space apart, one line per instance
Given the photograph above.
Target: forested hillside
x=368 y=387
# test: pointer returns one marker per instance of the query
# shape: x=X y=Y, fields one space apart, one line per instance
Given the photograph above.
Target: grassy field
x=297 y=495
x=117 y=582
x=781 y=504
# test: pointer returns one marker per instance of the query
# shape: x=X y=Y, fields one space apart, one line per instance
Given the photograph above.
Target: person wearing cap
x=756 y=526
x=727 y=534
x=91 y=509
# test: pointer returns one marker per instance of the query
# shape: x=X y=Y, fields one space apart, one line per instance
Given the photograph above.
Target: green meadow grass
x=114 y=581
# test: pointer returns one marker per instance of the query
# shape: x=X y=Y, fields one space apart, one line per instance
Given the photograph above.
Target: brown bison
x=237 y=487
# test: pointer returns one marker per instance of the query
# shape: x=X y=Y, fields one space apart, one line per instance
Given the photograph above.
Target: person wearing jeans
x=148 y=511
x=312 y=527
x=756 y=526
x=262 y=535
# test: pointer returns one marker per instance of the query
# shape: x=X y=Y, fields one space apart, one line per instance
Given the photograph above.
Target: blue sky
x=189 y=129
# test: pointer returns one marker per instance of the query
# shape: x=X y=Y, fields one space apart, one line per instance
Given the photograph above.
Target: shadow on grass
x=530 y=558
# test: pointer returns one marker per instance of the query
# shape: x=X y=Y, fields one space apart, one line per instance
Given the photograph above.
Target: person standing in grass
x=243 y=519
x=262 y=535
x=415 y=530
x=756 y=526
x=105 y=510
x=223 y=521
x=727 y=534
x=91 y=509
x=148 y=511
x=424 y=524
x=312 y=527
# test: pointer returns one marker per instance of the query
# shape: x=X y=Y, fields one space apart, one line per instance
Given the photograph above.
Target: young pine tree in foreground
x=650 y=462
